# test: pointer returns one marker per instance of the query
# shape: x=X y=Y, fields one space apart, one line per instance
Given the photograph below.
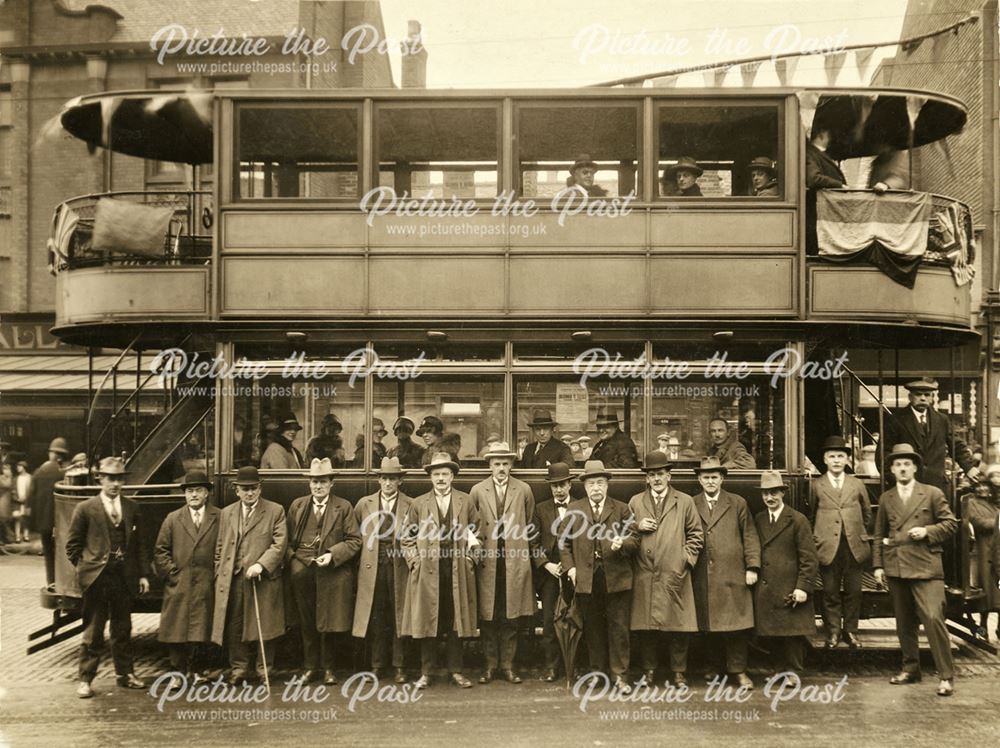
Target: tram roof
x=177 y=126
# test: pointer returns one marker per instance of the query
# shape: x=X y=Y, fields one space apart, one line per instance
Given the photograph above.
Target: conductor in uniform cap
x=111 y=562
x=544 y=450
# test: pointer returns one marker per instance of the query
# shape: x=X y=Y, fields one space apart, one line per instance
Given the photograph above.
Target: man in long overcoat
x=323 y=540
x=42 y=503
x=249 y=552
x=727 y=568
x=184 y=557
x=545 y=450
x=506 y=508
x=788 y=566
x=382 y=571
x=440 y=541
x=669 y=540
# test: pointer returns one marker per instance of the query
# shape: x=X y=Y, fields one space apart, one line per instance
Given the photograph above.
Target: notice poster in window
x=572 y=404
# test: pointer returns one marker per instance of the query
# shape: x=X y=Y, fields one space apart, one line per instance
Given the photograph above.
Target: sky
x=567 y=43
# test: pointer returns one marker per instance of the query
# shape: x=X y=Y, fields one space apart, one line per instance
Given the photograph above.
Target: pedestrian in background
x=22 y=491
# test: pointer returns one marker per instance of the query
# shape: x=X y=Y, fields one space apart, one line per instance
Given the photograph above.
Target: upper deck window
x=714 y=149
x=588 y=144
x=303 y=151
x=441 y=151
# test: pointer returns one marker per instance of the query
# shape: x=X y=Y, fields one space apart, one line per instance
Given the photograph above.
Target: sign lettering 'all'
x=27 y=338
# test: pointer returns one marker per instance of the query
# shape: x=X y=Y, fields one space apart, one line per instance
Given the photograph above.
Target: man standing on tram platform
x=42 y=504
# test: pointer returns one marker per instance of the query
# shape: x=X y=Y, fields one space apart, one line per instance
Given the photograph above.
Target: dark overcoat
x=184 y=557
x=933 y=446
x=617 y=452
x=554 y=451
x=787 y=562
x=579 y=532
x=88 y=543
x=366 y=514
x=41 y=501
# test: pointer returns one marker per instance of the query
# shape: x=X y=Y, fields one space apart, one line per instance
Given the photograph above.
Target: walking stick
x=260 y=636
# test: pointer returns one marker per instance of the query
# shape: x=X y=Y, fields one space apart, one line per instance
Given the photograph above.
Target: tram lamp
x=723 y=335
x=582 y=336
x=437 y=336
x=296 y=338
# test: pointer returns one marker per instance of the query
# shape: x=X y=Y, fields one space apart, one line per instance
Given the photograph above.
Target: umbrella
x=568 y=624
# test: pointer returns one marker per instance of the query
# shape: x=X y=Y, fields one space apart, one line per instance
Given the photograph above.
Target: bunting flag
x=913 y=106
x=669 y=81
x=785 y=69
x=807 y=108
x=862 y=59
x=748 y=73
x=832 y=64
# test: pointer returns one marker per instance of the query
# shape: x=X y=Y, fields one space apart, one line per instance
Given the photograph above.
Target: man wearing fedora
x=323 y=539
x=440 y=541
x=764 y=177
x=544 y=450
x=727 y=568
x=681 y=179
x=782 y=608
x=406 y=450
x=42 y=503
x=506 y=508
x=437 y=440
x=726 y=448
x=596 y=548
x=669 y=540
x=281 y=454
x=614 y=449
x=249 y=553
x=912 y=523
x=842 y=518
x=111 y=564
x=382 y=571
x=549 y=573
x=184 y=558
x=581 y=177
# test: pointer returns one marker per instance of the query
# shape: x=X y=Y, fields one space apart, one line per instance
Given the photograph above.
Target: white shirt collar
x=710 y=499
x=834 y=479
x=776 y=514
x=918 y=415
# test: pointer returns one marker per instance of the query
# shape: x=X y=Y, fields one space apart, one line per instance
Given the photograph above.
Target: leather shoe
x=622 y=686
x=853 y=640
x=308 y=676
x=487 y=676
x=945 y=687
x=84 y=691
x=549 y=676
x=511 y=677
x=833 y=640
x=744 y=681
x=177 y=682
x=400 y=676
x=424 y=681
x=236 y=678
x=131 y=681
x=329 y=679
x=649 y=678
x=678 y=679
x=460 y=680
x=904 y=678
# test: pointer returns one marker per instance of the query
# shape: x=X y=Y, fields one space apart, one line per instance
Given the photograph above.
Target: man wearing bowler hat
x=249 y=553
x=506 y=508
x=111 y=566
x=323 y=539
x=614 y=449
x=681 y=179
x=912 y=523
x=764 y=177
x=382 y=571
x=596 y=544
x=842 y=518
x=544 y=450
x=581 y=177
x=726 y=570
x=42 y=503
x=184 y=557
x=670 y=538
x=406 y=450
x=281 y=454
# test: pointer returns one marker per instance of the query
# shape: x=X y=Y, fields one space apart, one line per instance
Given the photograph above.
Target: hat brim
x=296 y=427
x=564 y=479
x=500 y=455
x=102 y=472
x=602 y=474
x=720 y=469
x=904 y=456
x=246 y=482
x=671 y=171
x=453 y=466
x=846 y=449
x=602 y=424
x=668 y=466
x=782 y=486
x=390 y=473
x=581 y=164
x=195 y=485
x=533 y=424
x=324 y=474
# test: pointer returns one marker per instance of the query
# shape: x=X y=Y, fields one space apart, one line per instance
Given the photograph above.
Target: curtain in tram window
x=888 y=231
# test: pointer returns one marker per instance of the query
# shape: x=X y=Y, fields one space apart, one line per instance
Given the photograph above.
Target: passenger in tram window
x=492 y=439
x=681 y=179
x=890 y=170
x=378 y=448
x=821 y=170
x=282 y=454
x=581 y=177
x=406 y=450
x=783 y=609
x=575 y=448
x=544 y=450
x=328 y=442
x=983 y=514
x=726 y=448
x=262 y=440
x=764 y=177
x=436 y=440
x=614 y=449
x=866 y=464
x=585 y=449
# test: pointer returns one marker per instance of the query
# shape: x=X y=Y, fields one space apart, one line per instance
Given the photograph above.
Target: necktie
x=318 y=509
x=772 y=519
x=711 y=503
x=116 y=516
x=501 y=491
x=247 y=513
x=561 y=508
x=596 y=508
x=197 y=519
x=838 y=481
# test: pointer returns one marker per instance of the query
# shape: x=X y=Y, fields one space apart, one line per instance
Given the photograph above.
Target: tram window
x=439 y=151
x=560 y=350
x=577 y=409
x=752 y=412
x=554 y=137
x=427 y=352
x=717 y=143
x=301 y=151
x=469 y=408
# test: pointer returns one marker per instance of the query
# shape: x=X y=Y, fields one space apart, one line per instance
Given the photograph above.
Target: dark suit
x=42 y=503
x=933 y=444
x=554 y=451
x=546 y=520
x=821 y=172
x=617 y=452
x=914 y=569
x=109 y=561
x=603 y=578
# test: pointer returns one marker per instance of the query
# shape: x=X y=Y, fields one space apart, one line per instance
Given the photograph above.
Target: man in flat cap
x=42 y=504
x=581 y=177
x=184 y=557
x=544 y=450
x=614 y=449
x=281 y=454
x=111 y=562
x=406 y=450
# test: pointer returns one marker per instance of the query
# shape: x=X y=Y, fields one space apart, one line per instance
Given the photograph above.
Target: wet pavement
x=38 y=705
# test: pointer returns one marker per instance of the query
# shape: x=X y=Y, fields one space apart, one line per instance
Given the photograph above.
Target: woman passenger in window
x=327 y=443
x=681 y=179
x=281 y=454
x=764 y=177
x=581 y=177
x=436 y=440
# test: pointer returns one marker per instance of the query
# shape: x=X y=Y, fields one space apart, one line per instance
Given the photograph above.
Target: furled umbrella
x=568 y=625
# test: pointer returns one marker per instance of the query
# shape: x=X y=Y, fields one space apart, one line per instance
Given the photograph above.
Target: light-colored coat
x=849 y=513
x=788 y=562
x=662 y=595
x=422 y=549
x=184 y=557
x=368 y=563
x=912 y=559
x=516 y=520
x=265 y=539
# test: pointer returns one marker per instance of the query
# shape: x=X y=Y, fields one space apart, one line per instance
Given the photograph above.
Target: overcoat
x=578 y=534
x=788 y=562
x=264 y=540
x=554 y=450
x=88 y=543
x=849 y=512
x=893 y=550
x=983 y=516
x=281 y=455
x=732 y=454
x=368 y=559
x=184 y=557
x=722 y=599
x=334 y=582
x=616 y=452
x=421 y=543
x=41 y=501
x=933 y=446
x=662 y=595
x=516 y=527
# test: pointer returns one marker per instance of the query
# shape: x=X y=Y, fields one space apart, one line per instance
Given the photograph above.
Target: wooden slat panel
x=481 y=230
x=723 y=228
x=714 y=285
x=543 y=230
x=300 y=285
